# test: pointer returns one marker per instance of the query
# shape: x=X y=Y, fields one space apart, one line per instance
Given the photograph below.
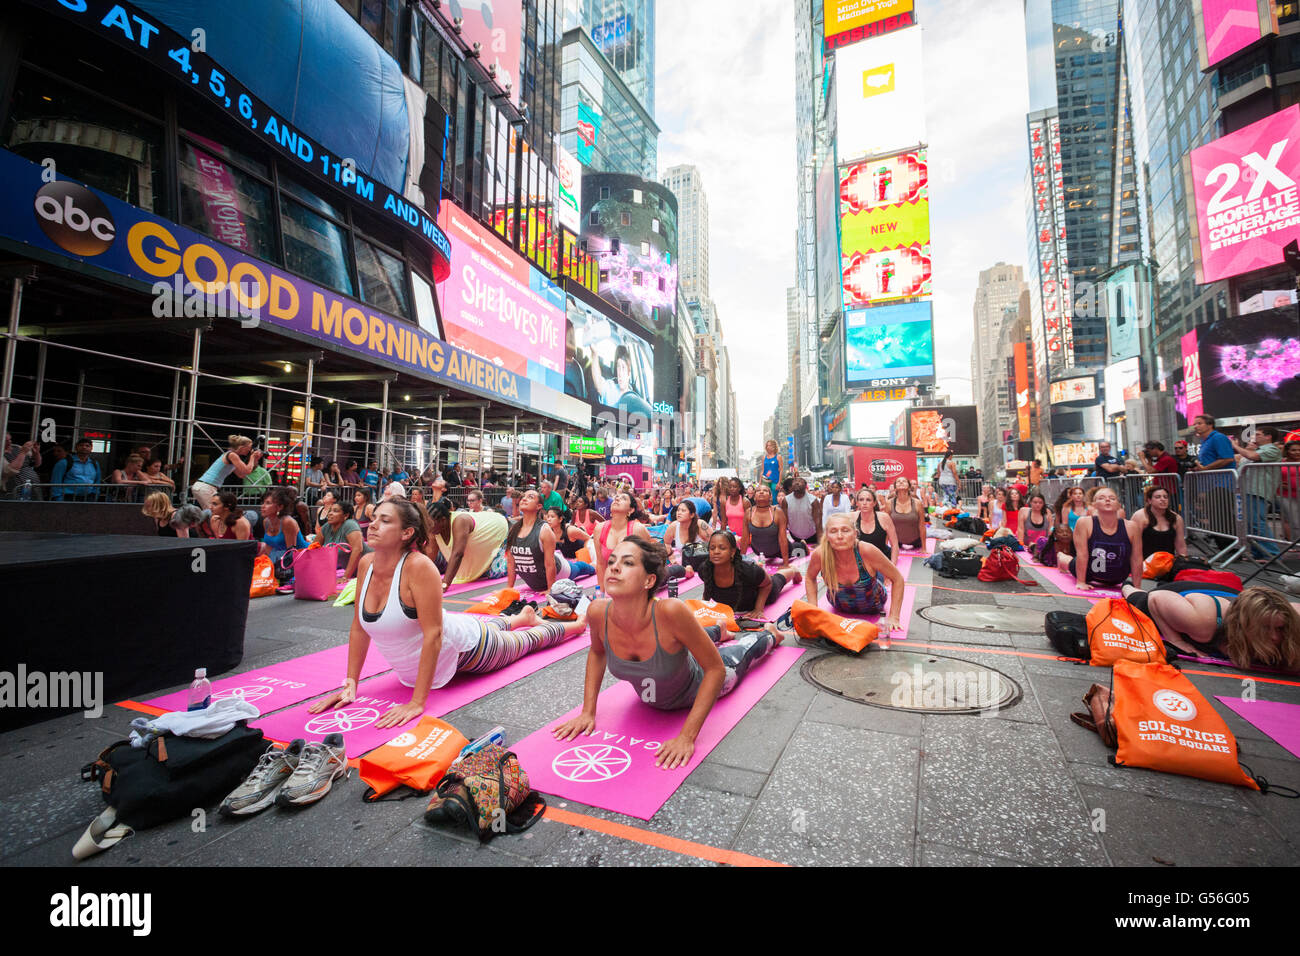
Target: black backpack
x=167 y=779
x=960 y=564
x=1068 y=633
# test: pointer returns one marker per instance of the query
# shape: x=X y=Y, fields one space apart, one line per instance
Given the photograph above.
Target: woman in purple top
x=1108 y=544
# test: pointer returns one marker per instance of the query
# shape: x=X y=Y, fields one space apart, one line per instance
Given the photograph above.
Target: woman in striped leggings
x=399 y=609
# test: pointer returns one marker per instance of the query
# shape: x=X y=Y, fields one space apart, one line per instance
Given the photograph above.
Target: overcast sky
x=725 y=103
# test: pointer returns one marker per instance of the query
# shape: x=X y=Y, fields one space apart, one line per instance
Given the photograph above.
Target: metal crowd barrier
x=103 y=491
x=1270 y=506
x=1210 y=507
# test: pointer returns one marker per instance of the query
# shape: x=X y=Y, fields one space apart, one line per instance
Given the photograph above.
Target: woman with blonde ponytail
x=231 y=460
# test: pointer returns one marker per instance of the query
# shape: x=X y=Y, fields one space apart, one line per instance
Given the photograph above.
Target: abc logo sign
x=74 y=218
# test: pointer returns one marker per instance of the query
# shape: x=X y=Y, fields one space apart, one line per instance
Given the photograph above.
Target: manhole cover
x=904 y=680
x=985 y=617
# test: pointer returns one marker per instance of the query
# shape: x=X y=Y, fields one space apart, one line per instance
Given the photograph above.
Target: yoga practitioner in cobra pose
x=1108 y=547
x=659 y=648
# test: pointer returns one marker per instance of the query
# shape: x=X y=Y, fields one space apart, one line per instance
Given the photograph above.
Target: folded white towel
x=211 y=722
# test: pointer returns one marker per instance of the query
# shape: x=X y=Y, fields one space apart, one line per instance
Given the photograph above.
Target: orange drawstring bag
x=812 y=622
x=711 y=612
x=1117 y=631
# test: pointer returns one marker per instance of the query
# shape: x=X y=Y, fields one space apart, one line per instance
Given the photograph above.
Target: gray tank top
x=800 y=524
x=765 y=541
x=665 y=681
x=527 y=552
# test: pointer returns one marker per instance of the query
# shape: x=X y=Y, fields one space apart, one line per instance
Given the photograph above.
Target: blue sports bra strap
x=857 y=554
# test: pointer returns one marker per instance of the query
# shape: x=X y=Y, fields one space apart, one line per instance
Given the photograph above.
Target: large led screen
x=1249 y=365
x=886 y=275
x=890 y=345
x=1081 y=389
x=1230 y=26
x=945 y=428
x=880 y=95
x=1247 y=200
x=1123 y=383
x=606 y=365
x=497 y=306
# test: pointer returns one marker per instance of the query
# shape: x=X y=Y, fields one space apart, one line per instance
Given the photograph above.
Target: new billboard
x=880 y=95
x=497 y=306
x=1247 y=200
x=1249 y=365
x=606 y=365
x=889 y=346
x=945 y=428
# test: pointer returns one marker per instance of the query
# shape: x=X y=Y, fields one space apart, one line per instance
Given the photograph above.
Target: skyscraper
x=1082 y=206
x=624 y=31
x=692 y=230
x=999 y=289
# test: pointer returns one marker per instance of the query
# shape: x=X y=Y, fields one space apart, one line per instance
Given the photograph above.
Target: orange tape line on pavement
x=149 y=709
x=700 y=851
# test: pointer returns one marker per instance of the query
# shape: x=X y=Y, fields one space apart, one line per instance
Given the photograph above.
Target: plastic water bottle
x=497 y=735
x=672 y=587
x=26 y=493
x=200 y=690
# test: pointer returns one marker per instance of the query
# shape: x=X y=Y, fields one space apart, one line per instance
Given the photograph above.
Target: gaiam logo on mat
x=885 y=469
x=74 y=218
x=1173 y=705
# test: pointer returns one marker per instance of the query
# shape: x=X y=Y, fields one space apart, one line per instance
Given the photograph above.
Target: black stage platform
x=143 y=612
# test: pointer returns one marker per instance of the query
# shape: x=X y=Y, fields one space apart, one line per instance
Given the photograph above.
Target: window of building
x=593 y=219
x=91 y=140
x=315 y=247
x=382 y=277
x=625 y=218
x=604 y=192
x=645 y=248
x=654 y=225
x=636 y=196
x=226 y=202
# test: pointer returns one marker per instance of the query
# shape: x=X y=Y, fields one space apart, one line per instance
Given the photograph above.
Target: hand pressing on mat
x=575 y=726
x=889 y=624
x=400 y=714
x=675 y=753
x=344 y=695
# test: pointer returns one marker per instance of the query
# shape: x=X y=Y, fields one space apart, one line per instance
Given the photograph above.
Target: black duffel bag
x=961 y=564
x=165 y=780
x=1068 y=633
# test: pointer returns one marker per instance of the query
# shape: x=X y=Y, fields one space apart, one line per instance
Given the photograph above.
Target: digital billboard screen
x=1123 y=383
x=1247 y=200
x=945 y=428
x=845 y=15
x=568 y=209
x=497 y=28
x=1082 y=389
x=606 y=365
x=886 y=275
x=1249 y=365
x=1230 y=26
x=880 y=95
x=886 y=181
x=885 y=228
x=889 y=346
x=499 y=307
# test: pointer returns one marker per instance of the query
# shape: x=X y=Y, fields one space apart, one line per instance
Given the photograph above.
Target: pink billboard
x=1247 y=201
x=497 y=306
x=1192 y=376
x=496 y=27
x=1230 y=26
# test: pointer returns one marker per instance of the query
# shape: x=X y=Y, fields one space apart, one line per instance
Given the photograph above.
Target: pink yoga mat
x=1280 y=721
x=614 y=768
x=356 y=720
x=454 y=589
x=280 y=685
x=1067 y=582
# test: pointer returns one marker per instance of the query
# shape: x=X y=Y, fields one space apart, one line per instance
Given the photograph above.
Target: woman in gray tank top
x=660 y=649
x=768 y=539
x=530 y=548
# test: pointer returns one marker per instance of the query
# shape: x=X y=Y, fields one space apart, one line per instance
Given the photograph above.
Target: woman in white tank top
x=399 y=609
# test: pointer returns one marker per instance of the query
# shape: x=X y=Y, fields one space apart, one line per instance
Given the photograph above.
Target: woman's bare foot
x=576 y=626
x=525 y=618
x=796 y=577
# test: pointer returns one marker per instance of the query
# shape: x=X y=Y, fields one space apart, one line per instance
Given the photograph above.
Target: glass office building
x=1175 y=109
x=602 y=122
x=624 y=31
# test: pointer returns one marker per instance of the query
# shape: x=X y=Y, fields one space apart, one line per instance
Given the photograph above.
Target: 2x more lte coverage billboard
x=1247 y=199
